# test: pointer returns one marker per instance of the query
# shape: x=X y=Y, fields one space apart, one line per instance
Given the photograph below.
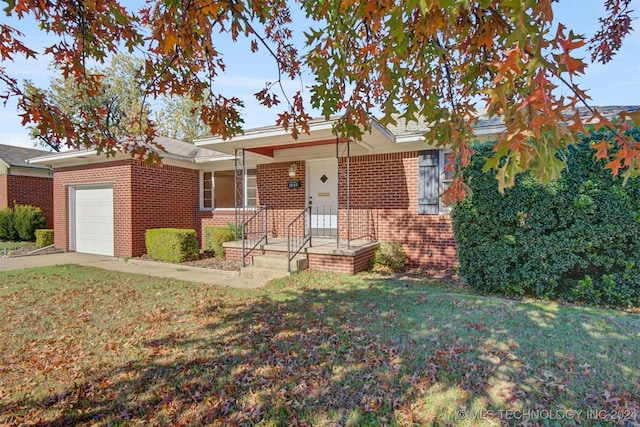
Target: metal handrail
x=358 y=224
x=261 y=232
x=300 y=241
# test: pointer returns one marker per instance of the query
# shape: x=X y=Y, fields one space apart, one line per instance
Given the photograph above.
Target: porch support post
x=348 y=194
x=338 y=207
x=348 y=164
x=238 y=196
x=235 y=193
x=238 y=178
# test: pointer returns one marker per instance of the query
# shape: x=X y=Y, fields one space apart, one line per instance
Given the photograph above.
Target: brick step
x=272 y=266
x=299 y=263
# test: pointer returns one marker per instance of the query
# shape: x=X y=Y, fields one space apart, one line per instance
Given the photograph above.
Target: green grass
x=81 y=346
x=12 y=245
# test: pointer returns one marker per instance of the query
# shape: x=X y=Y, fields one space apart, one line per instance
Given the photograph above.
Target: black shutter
x=428 y=182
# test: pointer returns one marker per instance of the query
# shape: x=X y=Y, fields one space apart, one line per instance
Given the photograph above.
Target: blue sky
x=616 y=83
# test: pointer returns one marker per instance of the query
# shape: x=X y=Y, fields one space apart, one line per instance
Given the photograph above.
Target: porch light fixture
x=292 y=170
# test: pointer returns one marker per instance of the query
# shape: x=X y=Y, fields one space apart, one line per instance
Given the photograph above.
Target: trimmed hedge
x=577 y=239
x=44 y=237
x=172 y=244
x=21 y=222
x=215 y=236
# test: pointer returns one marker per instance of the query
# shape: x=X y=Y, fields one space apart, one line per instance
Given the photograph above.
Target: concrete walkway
x=150 y=268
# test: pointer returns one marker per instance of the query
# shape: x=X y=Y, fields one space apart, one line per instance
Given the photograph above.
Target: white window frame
x=201 y=191
x=213 y=189
x=443 y=183
x=246 y=187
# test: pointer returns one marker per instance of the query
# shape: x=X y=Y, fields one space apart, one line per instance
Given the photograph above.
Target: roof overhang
x=273 y=143
x=90 y=157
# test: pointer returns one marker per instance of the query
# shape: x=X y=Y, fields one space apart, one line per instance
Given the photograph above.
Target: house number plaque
x=294 y=184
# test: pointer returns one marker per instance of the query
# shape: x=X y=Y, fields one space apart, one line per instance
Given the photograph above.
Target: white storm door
x=94 y=220
x=323 y=196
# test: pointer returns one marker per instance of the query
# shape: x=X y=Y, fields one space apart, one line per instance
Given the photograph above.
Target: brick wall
x=162 y=196
x=385 y=183
x=283 y=203
x=388 y=183
x=28 y=190
x=341 y=264
x=4 y=201
x=318 y=262
x=144 y=197
x=214 y=217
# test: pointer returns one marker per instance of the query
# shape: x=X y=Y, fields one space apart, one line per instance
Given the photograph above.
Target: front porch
x=323 y=254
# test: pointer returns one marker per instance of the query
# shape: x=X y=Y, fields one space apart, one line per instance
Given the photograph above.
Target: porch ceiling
x=270 y=150
x=275 y=143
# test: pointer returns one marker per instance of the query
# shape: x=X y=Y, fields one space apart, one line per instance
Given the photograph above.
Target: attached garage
x=105 y=205
x=91 y=219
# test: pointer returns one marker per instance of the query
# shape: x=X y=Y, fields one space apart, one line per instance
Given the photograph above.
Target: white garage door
x=94 y=220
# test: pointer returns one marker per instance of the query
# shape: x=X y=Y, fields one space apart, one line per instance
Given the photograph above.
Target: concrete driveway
x=151 y=268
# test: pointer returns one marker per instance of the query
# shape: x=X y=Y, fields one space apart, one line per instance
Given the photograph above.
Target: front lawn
x=81 y=346
x=12 y=245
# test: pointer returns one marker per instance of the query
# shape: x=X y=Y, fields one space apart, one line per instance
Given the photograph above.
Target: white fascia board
x=214 y=159
x=89 y=157
x=484 y=131
x=410 y=138
x=383 y=130
x=253 y=137
x=60 y=157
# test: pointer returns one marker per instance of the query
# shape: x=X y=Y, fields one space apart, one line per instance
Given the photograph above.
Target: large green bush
x=27 y=219
x=7 y=229
x=215 y=236
x=172 y=244
x=575 y=239
x=21 y=222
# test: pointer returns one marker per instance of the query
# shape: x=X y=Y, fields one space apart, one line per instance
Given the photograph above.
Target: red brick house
x=24 y=183
x=328 y=200
x=347 y=196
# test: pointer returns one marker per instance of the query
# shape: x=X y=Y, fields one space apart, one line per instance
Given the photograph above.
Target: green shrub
x=172 y=244
x=577 y=239
x=26 y=220
x=215 y=236
x=21 y=222
x=44 y=237
x=236 y=229
x=389 y=256
x=7 y=229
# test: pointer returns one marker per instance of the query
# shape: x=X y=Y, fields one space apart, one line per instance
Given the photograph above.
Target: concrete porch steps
x=272 y=266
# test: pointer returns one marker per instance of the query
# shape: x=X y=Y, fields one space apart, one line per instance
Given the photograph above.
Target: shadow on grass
x=389 y=352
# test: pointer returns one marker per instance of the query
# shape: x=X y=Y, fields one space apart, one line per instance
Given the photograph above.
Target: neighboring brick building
x=23 y=183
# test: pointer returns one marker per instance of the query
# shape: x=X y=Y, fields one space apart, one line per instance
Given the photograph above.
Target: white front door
x=323 y=197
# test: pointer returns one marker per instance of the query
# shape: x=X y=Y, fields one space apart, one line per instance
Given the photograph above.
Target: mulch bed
x=24 y=250
x=214 y=263
x=207 y=260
